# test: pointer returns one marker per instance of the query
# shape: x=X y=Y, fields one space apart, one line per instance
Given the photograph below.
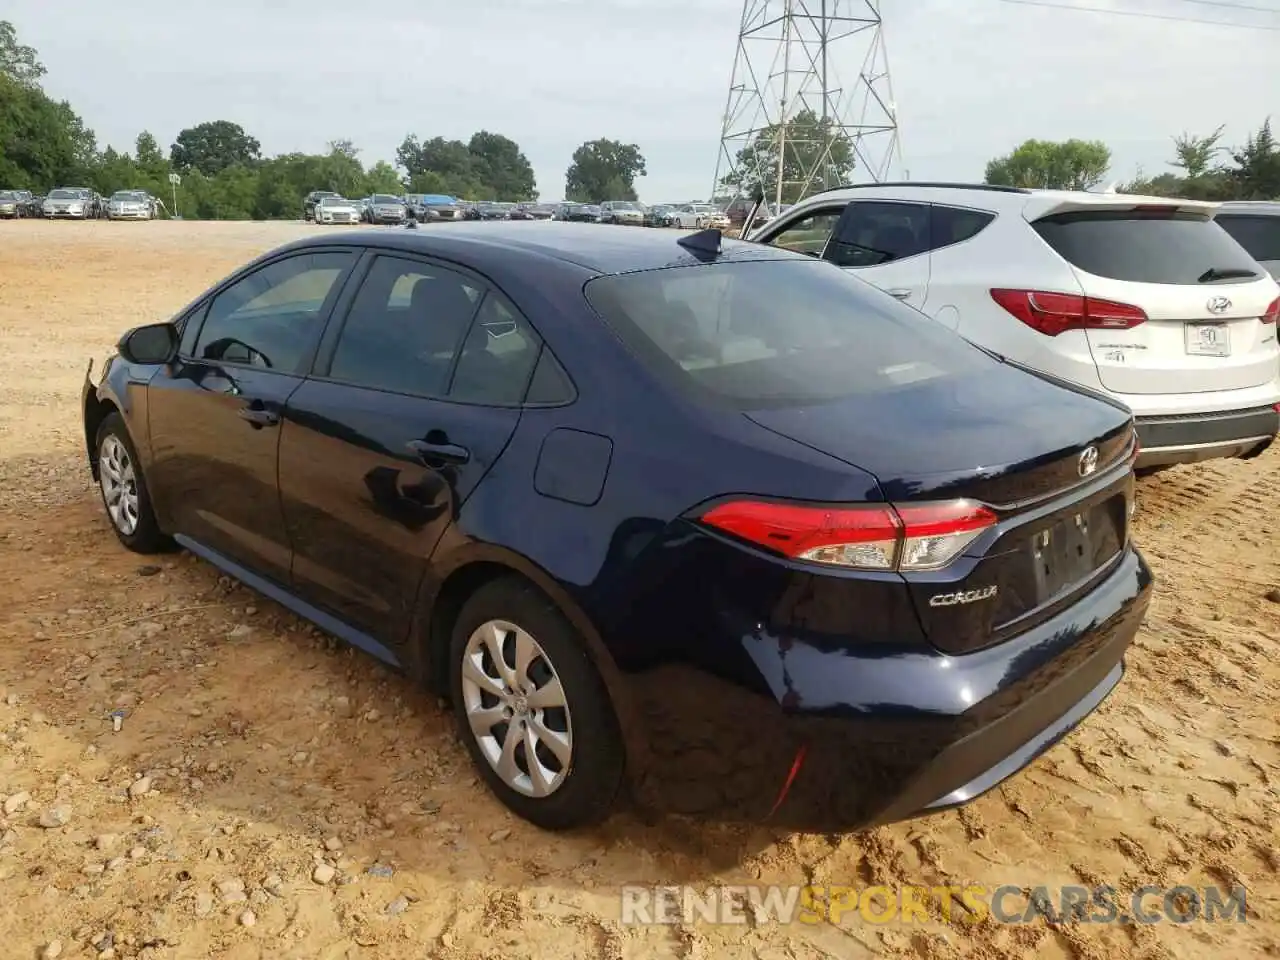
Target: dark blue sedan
x=711 y=520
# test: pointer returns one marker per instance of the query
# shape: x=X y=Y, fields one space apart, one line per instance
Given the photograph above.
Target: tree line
x=1203 y=167
x=44 y=144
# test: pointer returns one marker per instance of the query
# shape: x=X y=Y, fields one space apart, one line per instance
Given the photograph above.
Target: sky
x=971 y=78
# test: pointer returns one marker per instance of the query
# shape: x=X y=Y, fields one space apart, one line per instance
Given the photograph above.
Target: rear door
x=886 y=243
x=1203 y=295
x=412 y=400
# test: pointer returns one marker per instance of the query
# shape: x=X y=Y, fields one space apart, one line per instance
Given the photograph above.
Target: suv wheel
x=531 y=708
x=124 y=491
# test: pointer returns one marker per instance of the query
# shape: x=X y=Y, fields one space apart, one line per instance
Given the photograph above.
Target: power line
x=1144 y=16
x=1233 y=6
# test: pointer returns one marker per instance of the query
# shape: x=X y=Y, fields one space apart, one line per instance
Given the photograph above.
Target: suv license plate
x=1208 y=339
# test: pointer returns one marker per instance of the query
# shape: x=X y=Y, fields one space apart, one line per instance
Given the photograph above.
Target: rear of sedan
x=911 y=572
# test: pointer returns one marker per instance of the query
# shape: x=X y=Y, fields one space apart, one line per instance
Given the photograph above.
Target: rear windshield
x=1147 y=246
x=1259 y=235
x=777 y=332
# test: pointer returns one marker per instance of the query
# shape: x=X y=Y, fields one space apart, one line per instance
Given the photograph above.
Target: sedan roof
x=604 y=250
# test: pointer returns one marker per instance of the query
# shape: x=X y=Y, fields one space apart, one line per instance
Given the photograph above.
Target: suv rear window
x=1258 y=234
x=776 y=332
x=1146 y=246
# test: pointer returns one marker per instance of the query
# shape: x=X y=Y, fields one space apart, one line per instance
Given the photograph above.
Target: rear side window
x=404 y=328
x=1259 y=235
x=497 y=357
x=777 y=332
x=1147 y=246
x=950 y=225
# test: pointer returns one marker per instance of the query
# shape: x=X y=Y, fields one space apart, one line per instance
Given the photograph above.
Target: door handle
x=899 y=294
x=258 y=415
x=439 y=452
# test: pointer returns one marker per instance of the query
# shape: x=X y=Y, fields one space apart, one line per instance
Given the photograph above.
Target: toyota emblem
x=1088 y=461
x=1218 y=305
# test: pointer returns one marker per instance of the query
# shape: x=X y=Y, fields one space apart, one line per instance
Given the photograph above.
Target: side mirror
x=153 y=343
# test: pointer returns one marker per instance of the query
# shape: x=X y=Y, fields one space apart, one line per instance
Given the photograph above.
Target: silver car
x=11 y=207
x=337 y=210
x=384 y=208
x=623 y=212
x=699 y=216
x=66 y=203
x=131 y=205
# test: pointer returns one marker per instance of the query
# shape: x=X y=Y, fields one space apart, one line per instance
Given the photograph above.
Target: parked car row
x=79 y=203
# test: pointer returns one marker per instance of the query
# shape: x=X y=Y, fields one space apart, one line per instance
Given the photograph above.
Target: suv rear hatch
x=1186 y=302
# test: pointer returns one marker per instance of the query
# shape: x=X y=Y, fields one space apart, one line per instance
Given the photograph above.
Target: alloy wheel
x=119 y=482
x=516 y=708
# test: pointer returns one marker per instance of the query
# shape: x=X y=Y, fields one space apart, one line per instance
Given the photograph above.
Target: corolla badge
x=962 y=596
x=1218 y=305
x=1088 y=461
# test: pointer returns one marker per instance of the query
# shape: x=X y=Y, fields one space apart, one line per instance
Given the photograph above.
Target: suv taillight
x=885 y=537
x=1055 y=313
x=1272 y=313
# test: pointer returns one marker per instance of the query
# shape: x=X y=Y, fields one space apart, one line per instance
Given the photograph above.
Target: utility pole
x=829 y=62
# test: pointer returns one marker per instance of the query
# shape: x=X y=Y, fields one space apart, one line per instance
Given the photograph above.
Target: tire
x=118 y=462
x=583 y=789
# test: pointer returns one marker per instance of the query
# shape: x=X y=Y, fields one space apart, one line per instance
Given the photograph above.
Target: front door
x=412 y=400
x=886 y=243
x=215 y=412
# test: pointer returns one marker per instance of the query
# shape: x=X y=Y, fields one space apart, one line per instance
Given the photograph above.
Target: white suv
x=1146 y=299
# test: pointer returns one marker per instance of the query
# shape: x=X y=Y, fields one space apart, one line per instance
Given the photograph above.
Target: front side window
x=273 y=317
x=405 y=328
x=873 y=233
x=809 y=234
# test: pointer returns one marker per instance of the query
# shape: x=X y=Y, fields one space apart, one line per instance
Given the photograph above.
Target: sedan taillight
x=1272 y=313
x=885 y=537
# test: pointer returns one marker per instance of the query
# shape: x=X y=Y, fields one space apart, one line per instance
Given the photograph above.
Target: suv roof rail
x=996 y=188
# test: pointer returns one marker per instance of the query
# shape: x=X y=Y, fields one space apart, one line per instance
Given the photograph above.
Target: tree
x=818 y=154
x=18 y=62
x=499 y=164
x=43 y=143
x=1193 y=154
x=1069 y=165
x=213 y=147
x=449 y=158
x=489 y=166
x=603 y=170
x=151 y=162
x=344 y=147
x=1257 y=173
x=382 y=178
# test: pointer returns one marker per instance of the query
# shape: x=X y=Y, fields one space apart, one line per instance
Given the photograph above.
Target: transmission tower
x=823 y=56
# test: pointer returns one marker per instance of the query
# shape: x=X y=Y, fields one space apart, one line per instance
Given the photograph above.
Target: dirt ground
x=265 y=749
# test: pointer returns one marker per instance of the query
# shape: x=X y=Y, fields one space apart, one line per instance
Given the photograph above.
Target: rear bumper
x=1190 y=438
x=857 y=740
